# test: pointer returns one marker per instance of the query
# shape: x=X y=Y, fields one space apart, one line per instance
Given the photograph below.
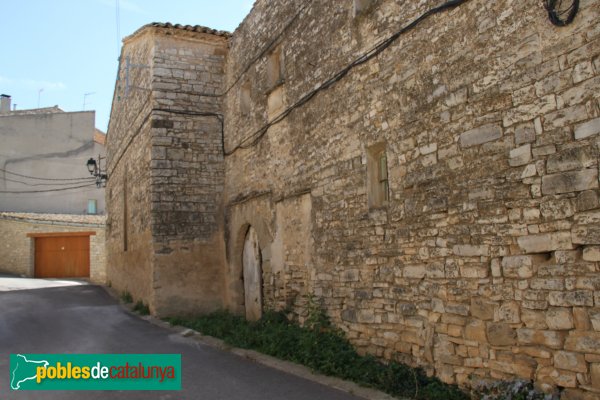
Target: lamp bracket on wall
x=95 y=169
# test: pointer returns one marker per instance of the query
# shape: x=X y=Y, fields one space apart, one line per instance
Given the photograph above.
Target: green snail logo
x=24 y=370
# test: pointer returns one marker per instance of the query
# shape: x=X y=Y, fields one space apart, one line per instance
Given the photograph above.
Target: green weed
x=141 y=308
x=323 y=348
x=126 y=297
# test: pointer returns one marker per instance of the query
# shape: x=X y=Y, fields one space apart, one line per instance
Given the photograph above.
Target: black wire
x=44 y=184
x=45 y=191
x=164 y=110
x=556 y=15
x=265 y=49
x=45 y=179
x=559 y=8
x=373 y=52
x=137 y=132
x=255 y=58
x=258 y=134
x=218 y=116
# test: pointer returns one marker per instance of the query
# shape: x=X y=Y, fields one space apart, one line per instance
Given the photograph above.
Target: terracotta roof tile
x=99 y=137
x=191 y=28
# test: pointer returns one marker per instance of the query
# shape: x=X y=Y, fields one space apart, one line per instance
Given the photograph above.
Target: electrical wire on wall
x=87 y=178
x=47 y=190
x=561 y=12
x=111 y=168
x=266 y=48
x=255 y=137
x=43 y=184
x=58 y=184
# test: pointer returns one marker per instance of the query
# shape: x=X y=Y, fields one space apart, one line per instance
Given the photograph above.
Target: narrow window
x=125 y=215
x=274 y=69
x=383 y=177
x=361 y=6
x=245 y=100
x=377 y=176
x=92 y=207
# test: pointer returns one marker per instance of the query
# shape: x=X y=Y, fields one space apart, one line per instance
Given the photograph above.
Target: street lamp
x=95 y=169
x=91 y=166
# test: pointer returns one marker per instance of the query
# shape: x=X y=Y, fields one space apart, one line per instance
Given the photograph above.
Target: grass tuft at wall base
x=322 y=348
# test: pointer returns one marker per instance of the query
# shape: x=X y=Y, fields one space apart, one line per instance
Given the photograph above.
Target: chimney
x=4 y=103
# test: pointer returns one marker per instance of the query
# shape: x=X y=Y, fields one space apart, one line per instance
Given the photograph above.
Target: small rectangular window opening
x=275 y=69
x=92 y=207
x=383 y=177
x=125 y=216
x=361 y=6
x=377 y=176
x=245 y=100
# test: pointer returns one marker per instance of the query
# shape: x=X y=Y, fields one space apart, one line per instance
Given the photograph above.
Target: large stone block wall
x=128 y=192
x=175 y=171
x=484 y=261
x=188 y=172
x=17 y=252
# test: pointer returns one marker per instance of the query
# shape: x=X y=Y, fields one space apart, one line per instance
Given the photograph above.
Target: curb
x=269 y=361
x=276 y=363
x=284 y=366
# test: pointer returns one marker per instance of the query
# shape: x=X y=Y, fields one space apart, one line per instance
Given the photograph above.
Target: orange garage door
x=62 y=256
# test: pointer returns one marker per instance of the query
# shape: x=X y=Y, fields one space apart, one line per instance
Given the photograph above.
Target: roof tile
x=191 y=28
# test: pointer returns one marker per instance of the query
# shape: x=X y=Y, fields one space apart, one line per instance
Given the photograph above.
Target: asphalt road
x=85 y=319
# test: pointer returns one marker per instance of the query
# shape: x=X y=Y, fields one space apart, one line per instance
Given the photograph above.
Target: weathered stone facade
x=479 y=259
x=165 y=230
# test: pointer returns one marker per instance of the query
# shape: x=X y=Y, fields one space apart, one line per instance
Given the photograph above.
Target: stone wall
x=173 y=165
x=188 y=177
x=483 y=263
x=129 y=246
x=440 y=199
x=17 y=252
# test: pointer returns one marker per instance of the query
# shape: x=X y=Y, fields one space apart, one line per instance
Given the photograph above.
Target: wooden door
x=62 y=257
x=252 y=276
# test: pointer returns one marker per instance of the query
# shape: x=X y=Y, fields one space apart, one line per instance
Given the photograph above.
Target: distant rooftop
x=99 y=137
x=32 y=111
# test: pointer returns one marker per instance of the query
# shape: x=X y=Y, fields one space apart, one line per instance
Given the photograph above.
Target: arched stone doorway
x=252 y=273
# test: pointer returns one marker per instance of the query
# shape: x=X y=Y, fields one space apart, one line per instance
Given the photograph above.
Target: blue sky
x=69 y=48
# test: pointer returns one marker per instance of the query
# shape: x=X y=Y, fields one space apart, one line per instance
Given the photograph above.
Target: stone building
x=165 y=235
x=48 y=201
x=434 y=187
x=53 y=245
